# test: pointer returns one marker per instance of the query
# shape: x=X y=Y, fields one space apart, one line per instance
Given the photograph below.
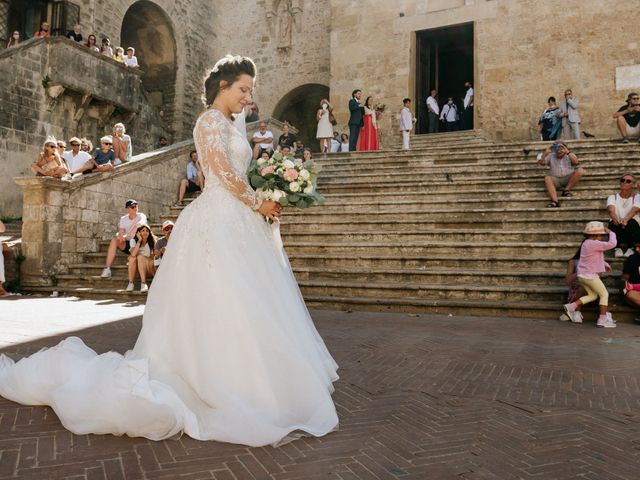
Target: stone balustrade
x=63 y=220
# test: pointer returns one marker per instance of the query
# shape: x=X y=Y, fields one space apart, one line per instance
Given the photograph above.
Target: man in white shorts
x=127 y=227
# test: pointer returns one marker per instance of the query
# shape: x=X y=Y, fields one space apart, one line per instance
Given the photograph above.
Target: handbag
x=332 y=119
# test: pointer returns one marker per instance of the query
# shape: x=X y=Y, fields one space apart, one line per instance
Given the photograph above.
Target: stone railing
x=63 y=220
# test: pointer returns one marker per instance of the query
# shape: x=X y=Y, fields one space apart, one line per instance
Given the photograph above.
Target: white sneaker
x=618 y=253
x=628 y=253
x=574 y=316
x=144 y=287
x=564 y=317
x=606 y=322
x=106 y=273
x=130 y=287
x=610 y=317
x=577 y=317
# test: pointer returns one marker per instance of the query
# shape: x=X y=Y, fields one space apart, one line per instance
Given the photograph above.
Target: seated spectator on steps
x=628 y=118
x=623 y=209
x=127 y=228
x=142 y=246
x=262 y=141
x=44 y=30
x=195 y=179
x=306 y=155
x=287 y=138
x=75 y=34
x=3 y=292
x=122 y=149
x=92 y=43
x=48 y=162
x=564 y=172
x=130 y=59
x=162 y=142
x=252 y=112
x=344 y=142
x=77 y=161
x=161 y=244
x=631 y=275
x=15 y=39
x=103 y=157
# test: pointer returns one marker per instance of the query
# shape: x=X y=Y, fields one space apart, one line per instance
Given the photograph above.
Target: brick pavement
x=429 y=397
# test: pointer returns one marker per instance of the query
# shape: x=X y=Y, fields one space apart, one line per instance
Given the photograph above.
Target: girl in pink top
x=590 y=266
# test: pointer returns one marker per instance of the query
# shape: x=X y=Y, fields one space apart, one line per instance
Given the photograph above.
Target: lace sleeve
x=212 y=135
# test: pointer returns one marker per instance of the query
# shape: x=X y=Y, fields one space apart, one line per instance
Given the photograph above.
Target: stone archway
x=299 y=107
x=147 y=28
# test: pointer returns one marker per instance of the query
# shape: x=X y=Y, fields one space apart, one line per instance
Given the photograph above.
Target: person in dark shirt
x=631 y=275
x=75 y=34
x=104 y=157
x=628 y=118
x=287 y=138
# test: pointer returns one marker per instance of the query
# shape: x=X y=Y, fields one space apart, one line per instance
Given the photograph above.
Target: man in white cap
x=161 y=245
x=127 y=227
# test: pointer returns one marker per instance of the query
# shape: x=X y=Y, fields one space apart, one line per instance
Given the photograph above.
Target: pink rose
x=266 y=170
x=290 y=174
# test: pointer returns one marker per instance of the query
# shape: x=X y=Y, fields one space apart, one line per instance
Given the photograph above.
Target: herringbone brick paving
x=419 y=398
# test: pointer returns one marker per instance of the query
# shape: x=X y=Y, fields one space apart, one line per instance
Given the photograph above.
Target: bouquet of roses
x=286 y=180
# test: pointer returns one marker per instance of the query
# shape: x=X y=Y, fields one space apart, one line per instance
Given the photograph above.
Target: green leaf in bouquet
x=302 y=203
x=294 y=198
x=283 y=201
x=257 y=181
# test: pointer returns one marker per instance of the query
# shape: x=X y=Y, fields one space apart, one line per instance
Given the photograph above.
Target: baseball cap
x=166 y=223
x=130 y=203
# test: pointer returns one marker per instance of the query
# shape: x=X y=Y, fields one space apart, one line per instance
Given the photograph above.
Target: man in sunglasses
x=564 y=172
x=103 y=157
x=77 y=161
x=161 y=244
x=628 y=118
x=127 y=227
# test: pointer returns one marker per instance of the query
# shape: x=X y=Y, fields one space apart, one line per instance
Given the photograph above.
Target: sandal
x=567 y=193
x=554 y=205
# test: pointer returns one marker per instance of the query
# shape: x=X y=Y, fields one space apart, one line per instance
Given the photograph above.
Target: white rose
x=304 y=174
x=288 y=164
x=261 y=161
x=264 y=194
x=294 y=187
x=308 y=190
x=277 y=195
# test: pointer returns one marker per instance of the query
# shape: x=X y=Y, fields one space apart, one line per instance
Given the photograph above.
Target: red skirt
x=368 y=137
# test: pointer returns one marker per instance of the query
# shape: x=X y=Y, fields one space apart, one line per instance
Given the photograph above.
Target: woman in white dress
x=227 y=350
x=325 y=128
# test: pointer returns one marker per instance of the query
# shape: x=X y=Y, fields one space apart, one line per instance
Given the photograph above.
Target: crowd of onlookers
x=55 y=160
x=125 y=56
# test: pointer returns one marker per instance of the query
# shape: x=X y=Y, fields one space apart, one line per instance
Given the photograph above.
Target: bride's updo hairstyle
x=228 y=68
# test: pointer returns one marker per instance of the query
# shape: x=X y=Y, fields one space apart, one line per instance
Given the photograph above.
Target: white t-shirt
x=77 y=161
x=131 y=62
x=267 y=134
x=335 y=145
x=130 y=226
x=467 y=97
x=344 y=147
x=624 y=205
x=433 y=103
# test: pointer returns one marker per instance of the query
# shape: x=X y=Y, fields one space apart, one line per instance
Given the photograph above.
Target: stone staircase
x=456 y=225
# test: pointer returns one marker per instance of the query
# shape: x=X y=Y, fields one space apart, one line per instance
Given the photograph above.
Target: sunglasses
x=635 y=98
x=61 y=146
x=105 y=143
x=625 y=180
x=133 y=206
x=75 y=144
x=52 y=146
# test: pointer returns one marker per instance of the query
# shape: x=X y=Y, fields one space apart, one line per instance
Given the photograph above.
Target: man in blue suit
x=356 y=119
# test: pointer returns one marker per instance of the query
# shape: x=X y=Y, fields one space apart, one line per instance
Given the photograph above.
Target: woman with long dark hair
x=368 y=138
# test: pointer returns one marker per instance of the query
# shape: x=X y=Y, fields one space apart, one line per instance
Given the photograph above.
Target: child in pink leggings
x=590 y=266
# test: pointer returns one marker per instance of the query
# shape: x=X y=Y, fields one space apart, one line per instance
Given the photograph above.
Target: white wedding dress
x=227 y=350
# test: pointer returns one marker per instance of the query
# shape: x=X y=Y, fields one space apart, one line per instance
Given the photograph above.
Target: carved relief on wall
x=284 y=19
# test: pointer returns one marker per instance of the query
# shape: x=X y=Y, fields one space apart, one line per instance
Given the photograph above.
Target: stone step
x=91 y=278
x=484 y=308
x=554 y=295
x=425 y=248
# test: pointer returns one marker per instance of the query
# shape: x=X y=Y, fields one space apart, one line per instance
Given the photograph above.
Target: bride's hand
x=270 y=209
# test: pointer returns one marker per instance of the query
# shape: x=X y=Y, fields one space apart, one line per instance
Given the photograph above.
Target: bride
x=227 y=349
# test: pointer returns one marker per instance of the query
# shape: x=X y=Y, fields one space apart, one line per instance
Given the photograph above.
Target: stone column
x=4 y=21
x=42 y=227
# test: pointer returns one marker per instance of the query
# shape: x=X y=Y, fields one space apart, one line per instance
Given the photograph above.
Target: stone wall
x=525 y=51
x=63 y=220
x=53 y=86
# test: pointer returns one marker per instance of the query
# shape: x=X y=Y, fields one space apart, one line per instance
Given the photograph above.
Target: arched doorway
x=148 y=29
x=299 y=107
